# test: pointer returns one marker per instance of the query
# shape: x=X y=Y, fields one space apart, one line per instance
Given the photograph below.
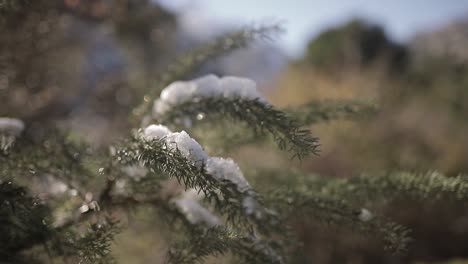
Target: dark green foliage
x=203 y=243
x=93 y=246
x=218 y=241
x=24 y=220
x=262 y=118
x=58 y=155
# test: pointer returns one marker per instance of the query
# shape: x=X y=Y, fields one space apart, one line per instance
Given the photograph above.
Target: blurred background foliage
x=421 y=89
x=421 y=93
x=84 y=64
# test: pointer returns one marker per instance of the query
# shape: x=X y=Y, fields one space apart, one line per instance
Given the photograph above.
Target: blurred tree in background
x=86 y=178
x=358 y=43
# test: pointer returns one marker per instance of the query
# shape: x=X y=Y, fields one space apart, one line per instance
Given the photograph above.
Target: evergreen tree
x=62 y=197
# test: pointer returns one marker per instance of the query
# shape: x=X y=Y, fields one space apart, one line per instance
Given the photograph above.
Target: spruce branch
x=243 y=208
x=219 y=240
x=92 y=246
x=69 y=161
x=388 y=186
x=156 y=156
x=23 y=220
x=339 y=213
x=201 y=244
x=329 y=110
x=203 y=241
x=259 y=116
x=373 y=188
x=224 y=195
x=192 y=60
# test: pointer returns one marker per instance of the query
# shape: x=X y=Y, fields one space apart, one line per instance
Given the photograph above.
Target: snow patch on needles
x=11 y=126
x=233 y=86
x=181 y=141
x=156 y=132
x=220 y=168
x=188 y=203
x=365 y=215
x=227 y=169
x=187 y=146
x=205 y=87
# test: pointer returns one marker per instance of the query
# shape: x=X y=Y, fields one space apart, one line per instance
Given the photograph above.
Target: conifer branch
x=218 y=241
x=201 y=244
x=57 y=156
x=23 y=220
x=202 y=241
x=329 y=110
x=373 y=188
x=339 y=213
x=91 y=247
x=223 y=213
x=429 y=186
x=259 y=116
x=192 y=60
x=225 y=195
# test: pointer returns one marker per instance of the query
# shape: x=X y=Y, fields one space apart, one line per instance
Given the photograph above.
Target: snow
x=11 y=126
x=365 y=215
x=227 y=169
x=180 y=92
x=249 y=204
x=239 y=87
x=187 y=146
x=219 y=168
x=188 y=203
x=181 y=141
x=208 y=86
x=156 y=132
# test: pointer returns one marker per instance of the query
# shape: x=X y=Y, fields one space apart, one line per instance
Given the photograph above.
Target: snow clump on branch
x=156 y=132
x=208 y=86
x=181 y=141
x=11 y=126
x=227 y=169
x=221 y=169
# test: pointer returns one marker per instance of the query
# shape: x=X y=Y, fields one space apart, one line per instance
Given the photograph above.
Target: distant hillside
x=450 y=41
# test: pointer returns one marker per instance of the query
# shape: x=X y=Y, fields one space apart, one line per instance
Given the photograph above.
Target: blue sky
x=305 y=18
